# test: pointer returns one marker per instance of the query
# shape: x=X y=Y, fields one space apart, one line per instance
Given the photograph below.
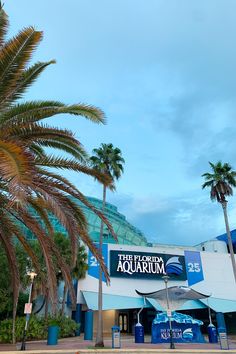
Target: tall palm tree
x=221 y=183
x=27 y=172
x=108 y=160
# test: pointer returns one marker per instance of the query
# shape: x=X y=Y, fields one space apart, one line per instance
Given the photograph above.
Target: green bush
x=37 y=328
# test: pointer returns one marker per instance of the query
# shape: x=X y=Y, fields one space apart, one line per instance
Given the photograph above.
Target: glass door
x=123 y=322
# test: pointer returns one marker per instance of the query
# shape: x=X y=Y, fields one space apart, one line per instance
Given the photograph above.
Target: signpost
x=28 y=308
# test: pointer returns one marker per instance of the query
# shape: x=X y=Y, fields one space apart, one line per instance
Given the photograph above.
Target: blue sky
x=164 y=72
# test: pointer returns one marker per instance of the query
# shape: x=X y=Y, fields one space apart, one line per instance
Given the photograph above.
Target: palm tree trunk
x=231 y=250
x=46 y=305
x=63 y=300
x=14 y=323
x=99 y=338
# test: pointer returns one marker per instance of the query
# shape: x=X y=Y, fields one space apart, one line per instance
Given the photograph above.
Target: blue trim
x=224 y=238
x=114 y=302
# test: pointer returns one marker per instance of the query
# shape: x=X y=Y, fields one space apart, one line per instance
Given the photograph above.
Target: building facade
x=142 y=268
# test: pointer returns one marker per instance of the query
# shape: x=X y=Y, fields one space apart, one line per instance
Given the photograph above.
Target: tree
x=221 y=183
x=80 y=267
x=108 y=160
x=6 y=303
x=28 y=180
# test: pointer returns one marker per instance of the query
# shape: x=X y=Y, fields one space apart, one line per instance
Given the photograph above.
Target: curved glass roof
x=126 y=233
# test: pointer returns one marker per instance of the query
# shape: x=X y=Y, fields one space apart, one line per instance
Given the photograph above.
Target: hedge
x=37 y=328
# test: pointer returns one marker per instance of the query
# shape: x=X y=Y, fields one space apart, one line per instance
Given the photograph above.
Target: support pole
x=166 y=278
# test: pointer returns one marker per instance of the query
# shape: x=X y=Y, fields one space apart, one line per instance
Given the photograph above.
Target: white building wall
x=217 y=269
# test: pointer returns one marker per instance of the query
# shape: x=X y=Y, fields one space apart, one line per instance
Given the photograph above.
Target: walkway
x=78 y=345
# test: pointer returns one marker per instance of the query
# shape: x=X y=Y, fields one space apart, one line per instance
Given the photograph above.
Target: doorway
x=123 y=322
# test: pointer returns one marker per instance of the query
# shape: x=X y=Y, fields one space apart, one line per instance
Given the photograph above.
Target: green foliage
x=221 y=181
x=37 y=328
x=6 y=298
x=108 y=159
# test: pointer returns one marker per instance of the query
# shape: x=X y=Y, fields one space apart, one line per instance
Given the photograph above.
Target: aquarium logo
x=173 y=266
x=188 y=334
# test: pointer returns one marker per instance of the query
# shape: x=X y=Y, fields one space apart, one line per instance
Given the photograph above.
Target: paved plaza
x=78 y=345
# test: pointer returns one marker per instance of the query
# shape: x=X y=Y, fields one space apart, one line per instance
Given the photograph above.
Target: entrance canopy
x=177 y=296
x=119 y=302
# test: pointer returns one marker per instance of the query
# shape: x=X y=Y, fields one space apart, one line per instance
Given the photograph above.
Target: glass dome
x=126 y=233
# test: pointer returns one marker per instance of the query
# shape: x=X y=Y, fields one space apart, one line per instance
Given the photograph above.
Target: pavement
x=77 y=345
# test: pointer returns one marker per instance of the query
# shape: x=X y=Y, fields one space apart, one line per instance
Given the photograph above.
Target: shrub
x=37 y=328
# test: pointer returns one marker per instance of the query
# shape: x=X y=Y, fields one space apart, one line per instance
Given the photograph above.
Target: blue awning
x=114 y=302
x=155 y=304
x=192 y=305
x=118 y=302
x=220 y=305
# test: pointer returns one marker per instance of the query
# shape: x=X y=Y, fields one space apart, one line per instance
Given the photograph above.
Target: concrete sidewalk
x=77 y=345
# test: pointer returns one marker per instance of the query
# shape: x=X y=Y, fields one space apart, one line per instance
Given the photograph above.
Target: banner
x=194 y=268
x=93 y=264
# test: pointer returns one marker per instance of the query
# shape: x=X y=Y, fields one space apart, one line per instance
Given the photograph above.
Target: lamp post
x=166 y=278
x=32 y=275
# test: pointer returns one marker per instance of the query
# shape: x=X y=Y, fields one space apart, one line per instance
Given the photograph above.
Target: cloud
x=165 y=74
x=186 y=220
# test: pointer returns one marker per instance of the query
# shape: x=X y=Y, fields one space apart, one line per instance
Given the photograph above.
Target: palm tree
x=28 y=180
x=108 y=160
x=221 y=182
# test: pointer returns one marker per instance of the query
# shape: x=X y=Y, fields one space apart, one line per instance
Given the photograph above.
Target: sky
x=164 y=72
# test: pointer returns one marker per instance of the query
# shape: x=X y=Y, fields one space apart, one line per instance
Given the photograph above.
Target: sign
x=130 y=264
x=176 y=333
x=93 y=264
x=28 y=308
x=181 y=333
x=224 y=345
x=116 y=340
x=194 y=268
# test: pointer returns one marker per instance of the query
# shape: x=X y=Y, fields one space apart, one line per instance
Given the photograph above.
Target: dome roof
x=126 y=233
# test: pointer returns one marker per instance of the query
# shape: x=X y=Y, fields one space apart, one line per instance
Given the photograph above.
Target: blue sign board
x=194 y=268
x=93 y=264
x=146 y=265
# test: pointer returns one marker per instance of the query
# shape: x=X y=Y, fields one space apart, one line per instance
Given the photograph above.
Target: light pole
x=32 y=275
x=166 y=278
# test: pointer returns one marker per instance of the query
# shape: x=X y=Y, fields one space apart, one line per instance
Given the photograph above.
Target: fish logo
x=188 y=334
x=173 y=266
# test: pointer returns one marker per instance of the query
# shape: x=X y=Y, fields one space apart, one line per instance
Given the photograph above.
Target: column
x=88 y=325
x=220 y=320
x=77 y=317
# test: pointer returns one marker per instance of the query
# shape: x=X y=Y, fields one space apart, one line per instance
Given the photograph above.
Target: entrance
x=123 y=322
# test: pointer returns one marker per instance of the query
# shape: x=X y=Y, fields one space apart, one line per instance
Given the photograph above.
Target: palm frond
x=44 y=242
x=14 y=56
x=72 y=164
x=3 y=25
x=34 y=111
x=25 y=80
x=16 y=167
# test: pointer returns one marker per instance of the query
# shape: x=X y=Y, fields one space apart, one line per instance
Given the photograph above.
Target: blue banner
x=194 y=268
x=93 y=264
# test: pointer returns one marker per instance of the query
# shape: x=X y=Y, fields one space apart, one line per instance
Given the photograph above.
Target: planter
x=53 y=332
